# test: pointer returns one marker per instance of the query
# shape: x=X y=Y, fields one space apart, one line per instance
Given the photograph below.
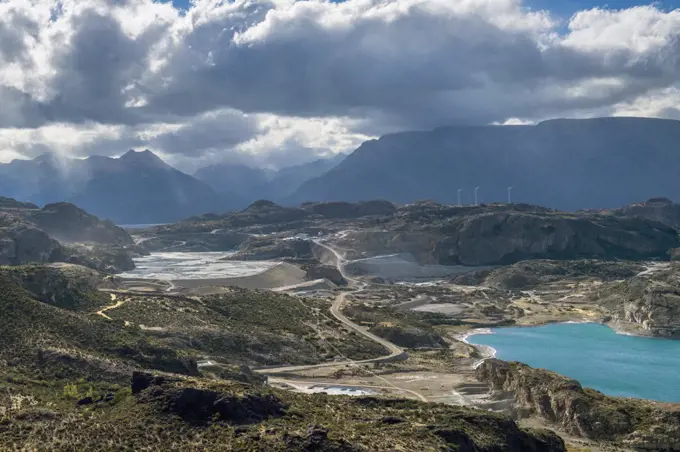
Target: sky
x=273 y=83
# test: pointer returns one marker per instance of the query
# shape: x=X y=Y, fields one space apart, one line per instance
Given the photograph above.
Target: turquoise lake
x=596 y=356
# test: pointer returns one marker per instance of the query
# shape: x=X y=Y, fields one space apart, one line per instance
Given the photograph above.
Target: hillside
x=647 y=305
x=563 y=164
x=62 y=232
x=432 y=233
x=81 y=379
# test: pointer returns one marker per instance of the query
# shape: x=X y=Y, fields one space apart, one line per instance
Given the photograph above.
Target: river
x=175 y=265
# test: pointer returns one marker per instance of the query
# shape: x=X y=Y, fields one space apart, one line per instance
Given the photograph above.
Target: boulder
x=86 y=401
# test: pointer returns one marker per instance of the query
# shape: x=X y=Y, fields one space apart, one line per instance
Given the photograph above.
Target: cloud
x=277 y=81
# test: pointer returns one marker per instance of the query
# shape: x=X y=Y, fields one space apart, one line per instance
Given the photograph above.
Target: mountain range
x=139 y=187
x=258 y=183
x=564 y=164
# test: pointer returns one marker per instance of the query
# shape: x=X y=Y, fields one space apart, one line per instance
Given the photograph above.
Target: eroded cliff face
x=583 y=412
x=648 y=304
x=370 y=243
x=662 y=210
x=505 y=237
x=657 y=311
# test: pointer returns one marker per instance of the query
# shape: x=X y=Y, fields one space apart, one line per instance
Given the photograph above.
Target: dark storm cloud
x=407 y=64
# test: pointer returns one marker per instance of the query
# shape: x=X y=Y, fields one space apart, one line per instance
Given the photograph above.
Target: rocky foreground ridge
x=67 y=383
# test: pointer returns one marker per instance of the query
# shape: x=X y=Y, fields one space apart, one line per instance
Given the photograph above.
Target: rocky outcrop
x=408 y=336
x=504 y=235
x=106 y=259
x=68 y=287
x=10 y=203
x=22 y=244
x=528 y=274
x=662 y=210
x=648 y=304
x=580 y=411
x=68 y=223
x=339 y=209
x=30 y=235
x=370 y=243
x=204 y=405
x=328 y=272
x=507 y=237
x=316 y=438
x=266 y=248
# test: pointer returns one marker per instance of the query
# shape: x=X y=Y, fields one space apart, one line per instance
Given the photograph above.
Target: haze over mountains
x=563 y=164
x=139 y=187
x=257 y=183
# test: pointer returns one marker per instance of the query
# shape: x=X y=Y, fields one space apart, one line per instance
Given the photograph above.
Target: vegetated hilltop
x=437 y=234
x=61 y=232
x=245 y=327
x=567 y=164
x=68 y=223
x=528 y=274
x=632 y=423
x=67 y=383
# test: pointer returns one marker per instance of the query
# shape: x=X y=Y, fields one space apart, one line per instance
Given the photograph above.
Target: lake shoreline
x=592 y=356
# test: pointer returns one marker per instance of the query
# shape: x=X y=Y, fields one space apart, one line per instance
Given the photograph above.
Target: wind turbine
x=510 y=194
x=460 y=190
x=476 y=191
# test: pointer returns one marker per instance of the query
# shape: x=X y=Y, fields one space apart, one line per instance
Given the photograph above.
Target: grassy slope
x=247 y=327
x=51 y=357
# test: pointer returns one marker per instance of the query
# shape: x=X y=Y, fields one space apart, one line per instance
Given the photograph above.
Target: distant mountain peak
x=145 y=157
x=47 y=157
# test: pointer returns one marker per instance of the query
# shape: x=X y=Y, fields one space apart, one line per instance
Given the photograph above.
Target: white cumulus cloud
x=274 y=82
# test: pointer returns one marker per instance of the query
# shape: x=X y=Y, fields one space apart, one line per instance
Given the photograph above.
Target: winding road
x=396 y=352
x=117 y=304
